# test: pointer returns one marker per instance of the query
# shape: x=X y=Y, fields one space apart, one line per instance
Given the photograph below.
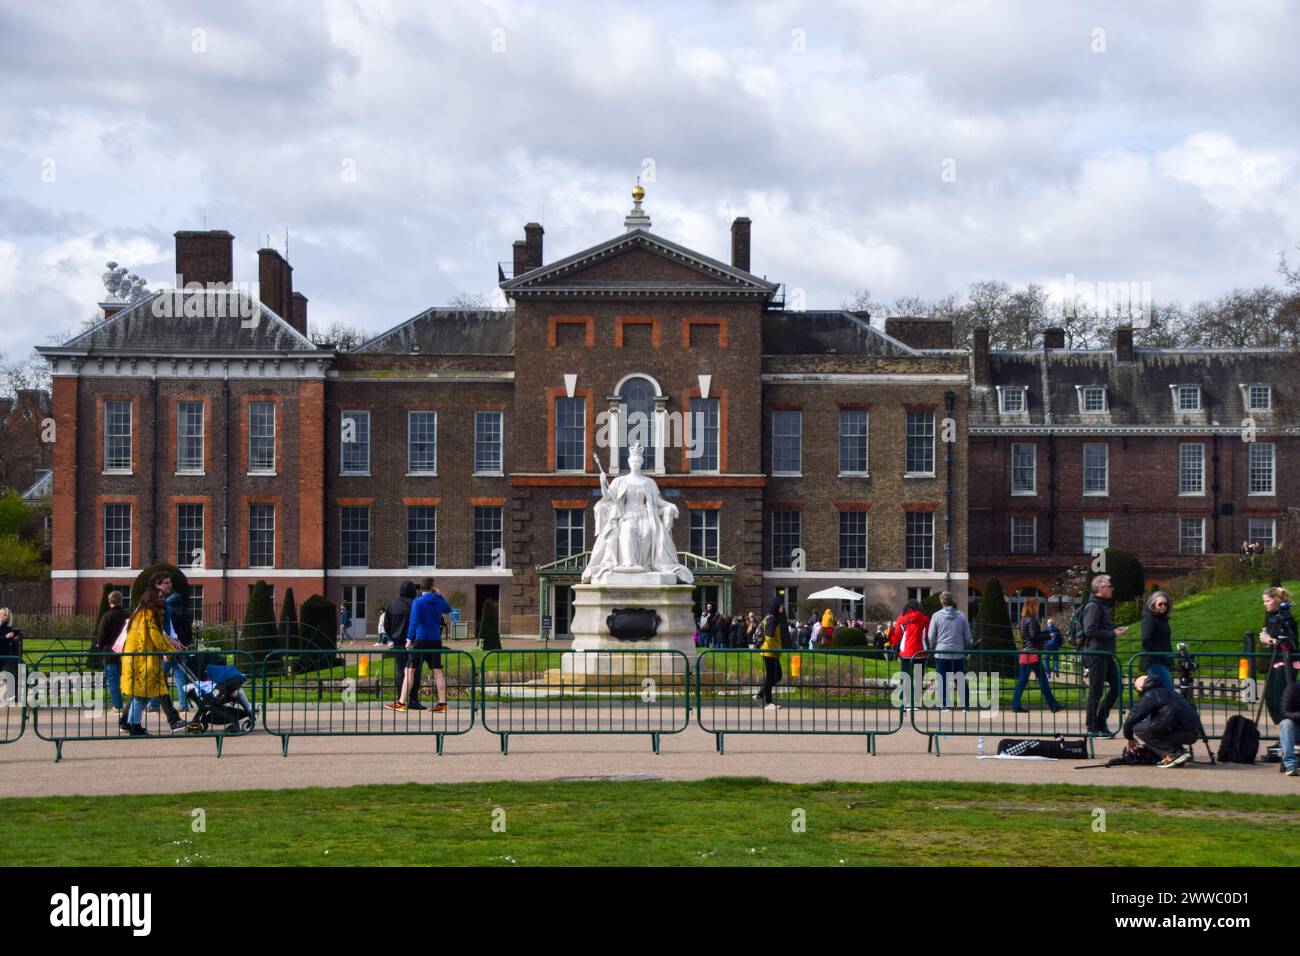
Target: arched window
x=636 y=420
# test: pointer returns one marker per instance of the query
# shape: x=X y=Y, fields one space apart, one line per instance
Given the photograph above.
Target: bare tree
x=340 y=335
x=468 y=300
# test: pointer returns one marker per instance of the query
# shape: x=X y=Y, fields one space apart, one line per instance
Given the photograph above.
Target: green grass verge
x=736 y=821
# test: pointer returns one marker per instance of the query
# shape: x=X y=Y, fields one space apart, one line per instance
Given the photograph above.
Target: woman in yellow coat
x=143 y=676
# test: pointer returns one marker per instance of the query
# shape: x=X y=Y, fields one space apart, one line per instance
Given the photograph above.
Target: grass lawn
x=737 y=821
x=1221 y=613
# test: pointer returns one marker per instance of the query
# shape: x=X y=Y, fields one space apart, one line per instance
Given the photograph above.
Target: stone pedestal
x=592 y=605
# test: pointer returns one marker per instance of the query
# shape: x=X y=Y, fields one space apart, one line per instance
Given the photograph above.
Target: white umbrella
x=835 y=594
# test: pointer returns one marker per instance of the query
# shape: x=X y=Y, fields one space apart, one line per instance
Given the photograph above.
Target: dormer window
x=1259 y=398
x=1092 y=399
x=1187 y=398
x=1013 y=399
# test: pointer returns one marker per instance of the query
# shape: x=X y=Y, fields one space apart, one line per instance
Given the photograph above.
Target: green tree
x=489 y=633
x=318 y=627
x=1126 y=574
x=995 y=631
x=258 y=635
x=20 y=560
x=15 y=516
x=289 y=619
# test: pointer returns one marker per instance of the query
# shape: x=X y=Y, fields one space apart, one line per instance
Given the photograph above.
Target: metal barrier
x=13 y=699
x=585 y=692
x=976 y=695
x=308 y=693
x=69 y=698
x=849 y=692
x=1218 y=685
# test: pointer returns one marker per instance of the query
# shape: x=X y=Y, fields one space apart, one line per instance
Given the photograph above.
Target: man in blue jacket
x=423 y=634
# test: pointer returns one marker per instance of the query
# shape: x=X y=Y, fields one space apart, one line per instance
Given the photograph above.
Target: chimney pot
x=533 y=245
x=275 y=283
x=299 y=320
x=204 y=257
x=979 y=356
x=1121 y=340
x=521 y=257
x=1054 y=338
x=740 y=243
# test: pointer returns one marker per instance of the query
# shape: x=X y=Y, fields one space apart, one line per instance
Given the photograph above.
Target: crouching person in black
x=1162 y=720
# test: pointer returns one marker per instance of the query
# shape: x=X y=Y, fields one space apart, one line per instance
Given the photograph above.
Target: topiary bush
x=849 y=637
x=260 y=631
x=930 y=606
x=1126 y=574
x=289 y=629
x=877 y=613
x=180 y=583
x=489 y=632
x=318 y=624
x=995 y=631
x=1130 y=612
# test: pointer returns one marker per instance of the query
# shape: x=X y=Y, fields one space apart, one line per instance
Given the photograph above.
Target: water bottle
x=980 y=747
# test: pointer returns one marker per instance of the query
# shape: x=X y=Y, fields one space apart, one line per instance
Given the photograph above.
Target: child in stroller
x=216 y=689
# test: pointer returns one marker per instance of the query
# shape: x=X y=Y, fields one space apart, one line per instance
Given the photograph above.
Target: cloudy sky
x=906 y=147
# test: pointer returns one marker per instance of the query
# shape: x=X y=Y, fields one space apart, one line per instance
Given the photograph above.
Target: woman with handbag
x=1031 y=641
x=143 y=675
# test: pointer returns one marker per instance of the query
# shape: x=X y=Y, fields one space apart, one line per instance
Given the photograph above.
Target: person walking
x=180 y=625
x=709 y=627
x=948 y=637
x=775 y=629
x=345 y=621
x=107 y=631
x=11 y=645
x=424 y=633
x=753 y=634
x=382 y=630
x=1052 y=641
x=1162 y=720
x=1030 y=661
x=397 y=618
x=909 y=633
x=1288 y=729
x=143 y=675
x=1100 y=634
x=1156 y=639
x=828 y=629
x=1279 y=631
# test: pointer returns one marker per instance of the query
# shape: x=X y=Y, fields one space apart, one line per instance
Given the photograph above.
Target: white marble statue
x=634 y=526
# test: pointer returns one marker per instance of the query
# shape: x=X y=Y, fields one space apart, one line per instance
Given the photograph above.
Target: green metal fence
x=975 y=696
x=846 y=692
x=308 y=693
x=68 y=698
x=1219 y=686
x=13 y=699
x=585 y=692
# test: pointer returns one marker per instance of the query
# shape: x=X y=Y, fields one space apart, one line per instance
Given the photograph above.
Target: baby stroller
x=215 y=688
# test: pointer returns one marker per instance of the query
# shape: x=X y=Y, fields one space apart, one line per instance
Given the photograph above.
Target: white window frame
x=1178 y=390
x=130 y=535
x=410 y=469
x=1083 y=391
x=907 y=516
x=1090 y=550
x=130 y=437
x=934 y=434
x=1083 y=471
x=1033 y=534
x=1251 y=450
x=582 y=429
x=798 y=418
x=275 y=520
x=500 y=442
x=1247 y=397
x=1200 y=492
x=355 y=414
x=1182 y=521
x=202 y=436
x=1006 y=390
x=704 y=531
x=1272 y=531
x=866 y=470
x=434 y=509
x=275 y=438
x=1033 y=469
x=866 y=540
x=369 y=536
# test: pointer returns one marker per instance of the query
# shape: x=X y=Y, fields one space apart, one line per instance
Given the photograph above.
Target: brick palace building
x=802 y=448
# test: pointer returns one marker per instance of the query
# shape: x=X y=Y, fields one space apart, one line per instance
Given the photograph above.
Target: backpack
x=1240 y=741
x=1076 y=636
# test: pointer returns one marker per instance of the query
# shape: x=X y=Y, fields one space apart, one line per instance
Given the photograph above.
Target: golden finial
x=637 y=192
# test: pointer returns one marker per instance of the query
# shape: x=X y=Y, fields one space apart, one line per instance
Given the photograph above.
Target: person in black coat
x=1279 y=631
x=1156 y=638
x=107 y=632
x=396 y=617
x=11 y=645
x=1289 y=729
x=1162 y=720
x=1100 y=633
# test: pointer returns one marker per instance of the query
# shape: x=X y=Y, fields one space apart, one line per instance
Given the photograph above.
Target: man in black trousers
x=1099 y=633
x=1163 y=720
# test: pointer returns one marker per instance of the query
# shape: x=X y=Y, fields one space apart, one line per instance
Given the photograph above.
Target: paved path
x=27 y=767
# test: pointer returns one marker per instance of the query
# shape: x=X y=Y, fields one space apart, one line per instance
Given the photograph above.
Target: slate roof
x=1139 y=394
x=819 y=333
x=170 y=323
x=449 y=332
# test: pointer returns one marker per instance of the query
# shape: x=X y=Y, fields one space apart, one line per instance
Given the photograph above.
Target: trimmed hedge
x=849 y=637
x=289 y=629
x=180 y=583
x=995 y=631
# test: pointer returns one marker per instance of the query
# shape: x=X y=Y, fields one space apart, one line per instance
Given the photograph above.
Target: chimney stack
x=1054 y=338
x=533 y=245
x=1121 y=340
x=275 y=283
x=979 y=356
x=521 y=257
x=204 y=257
x=740 y=243
x=299 y=320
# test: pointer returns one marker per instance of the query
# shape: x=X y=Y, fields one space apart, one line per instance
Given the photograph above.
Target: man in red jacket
x=909 y=634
